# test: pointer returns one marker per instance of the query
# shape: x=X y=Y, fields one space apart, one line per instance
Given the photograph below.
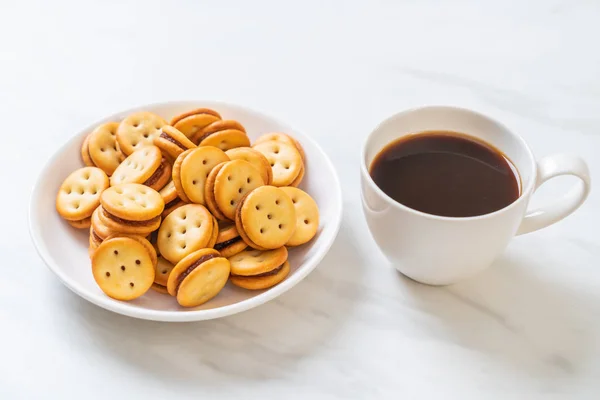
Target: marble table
x=528 y=328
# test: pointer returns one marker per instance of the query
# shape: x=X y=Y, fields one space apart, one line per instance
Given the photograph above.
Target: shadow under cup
x=434 y=249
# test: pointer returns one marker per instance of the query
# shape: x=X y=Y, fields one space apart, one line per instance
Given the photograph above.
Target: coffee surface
x=447 y=174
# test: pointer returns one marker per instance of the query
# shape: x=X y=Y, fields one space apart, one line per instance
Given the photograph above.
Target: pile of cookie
x=183 y=207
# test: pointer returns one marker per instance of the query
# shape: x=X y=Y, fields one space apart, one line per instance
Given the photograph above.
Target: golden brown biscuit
x=254 y=157
x=225 y=135
x=198 y=277
x=79 y=194
x=185 y=230
x=145 y=166
x=282 y=137
x=97 y=226
x=138 y=130
x=172 y=142
x=163 y=270
x=285 y=161
x=85 y=152
x=229 y=242
x=131 y=208
x=104 y=149
x=123 y=268
x=307 y=216
x=81 y=224
x=229 y=184
x=195 y=168
x=193 y=121
x=265 y=281
x=266 y=216
x=254 y=269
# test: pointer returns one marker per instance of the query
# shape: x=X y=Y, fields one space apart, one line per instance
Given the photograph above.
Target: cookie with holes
x=227 y=183
x=79 y=195
x=85 y=152
x=124 y=267
x=192 y=122
x=285 y=160
x=198 y=277
x=307 y=216
x=131 y=208
x=256 y=270
x=282 y=137
x=256 y=158
x=229 y=242
x=172 y=142
x=104 y=149
x=224 y=134
x=266 y=218
x=161 y=276
x=191 y=170
x=185 y=230
x=138 y=130
x=145 y=166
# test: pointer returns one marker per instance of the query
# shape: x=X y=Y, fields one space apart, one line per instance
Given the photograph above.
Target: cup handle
x=548 y=168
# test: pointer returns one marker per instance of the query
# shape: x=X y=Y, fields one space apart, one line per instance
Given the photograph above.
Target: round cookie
x=254 y=157
x=176 y=175
x=285 y=161
x=193 y=121
x=131 y=208
x=256 y=262
x=79 y=194
x=123 y=268
x=139 y=167
x=85 y=152
x=232 y=181
x=265 y=281
x=161 y=276
x=195 y=168
x=229 y=242
x=100 y=230
x=267 y=217
x=185 y=230
x=172 y=142
x=138 y=130
x=143 y=241
x=225 y=135
x=104 y=149
x=282 y=137
x=81 y=224
x=307 y=216
x=198 y=277
x=209 y=193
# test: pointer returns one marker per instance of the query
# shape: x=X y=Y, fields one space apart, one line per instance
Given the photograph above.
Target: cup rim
x=369 y=180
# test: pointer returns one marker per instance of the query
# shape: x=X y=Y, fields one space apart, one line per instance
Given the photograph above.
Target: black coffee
x=446 y=173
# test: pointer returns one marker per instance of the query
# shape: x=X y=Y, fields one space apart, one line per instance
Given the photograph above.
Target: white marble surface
x=528 y=328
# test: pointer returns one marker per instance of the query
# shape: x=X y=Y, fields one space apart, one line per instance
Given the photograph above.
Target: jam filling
x=222 y=245
x=170 y=139
x=156 y=175
x=128 y=222
x=192 y=267
x=172 y=203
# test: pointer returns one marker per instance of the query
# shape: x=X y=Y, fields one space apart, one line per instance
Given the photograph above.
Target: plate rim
x=183 y=315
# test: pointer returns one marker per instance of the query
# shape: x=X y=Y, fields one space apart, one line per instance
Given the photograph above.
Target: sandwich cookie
x=225 y=135
x=145 y=166
x=94 y=242
x=79 y=195
x=285 y=160
x=85 y=152
x=131 y=208
x=185 y=230
x=97 y=228
x=172 y=142
x=138 y=130
x=81 y=224
x=282 y=137
x=227 y=183
x=194 y=121
x=198 y=277
x=191 y=170
x=229 y=242
x=266 y=218
x=124 y=267
x=257 y=159
x=256 y=270
x=171 y=199
x=104 y=149
x=161 y=275
x=307 y=216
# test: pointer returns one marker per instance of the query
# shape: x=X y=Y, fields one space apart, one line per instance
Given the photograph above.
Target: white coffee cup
x=440 y=250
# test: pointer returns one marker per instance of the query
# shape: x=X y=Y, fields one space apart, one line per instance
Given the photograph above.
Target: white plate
x=64 y=249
